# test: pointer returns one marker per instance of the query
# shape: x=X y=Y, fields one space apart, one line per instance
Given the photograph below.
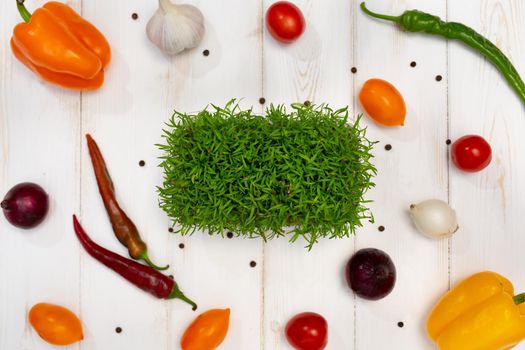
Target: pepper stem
x=26 y=15
x=144 y=256
x=396 y=19
x=177 y=294
x=520 y=298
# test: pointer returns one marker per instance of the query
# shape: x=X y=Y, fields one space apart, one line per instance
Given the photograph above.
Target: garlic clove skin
x=434 y=218
x=175 y=28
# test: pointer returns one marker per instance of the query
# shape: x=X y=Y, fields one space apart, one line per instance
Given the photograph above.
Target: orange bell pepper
x=61 y=47
x=207 y=331
x=56 y=324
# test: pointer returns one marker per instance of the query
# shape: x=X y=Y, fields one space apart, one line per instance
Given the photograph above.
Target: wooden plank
x=39 y=130
x=414 y=169
x=489 y=203
x=219 y=269
x=124 y=117
x=147 y=86
x=315 y=68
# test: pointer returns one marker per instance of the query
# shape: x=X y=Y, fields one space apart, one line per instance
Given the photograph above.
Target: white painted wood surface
x=42 y=140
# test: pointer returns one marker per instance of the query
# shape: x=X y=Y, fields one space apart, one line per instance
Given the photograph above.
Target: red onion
x=371 y=274
x=25 y=205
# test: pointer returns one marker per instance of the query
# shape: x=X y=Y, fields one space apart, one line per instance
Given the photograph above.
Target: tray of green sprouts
x=301 y=172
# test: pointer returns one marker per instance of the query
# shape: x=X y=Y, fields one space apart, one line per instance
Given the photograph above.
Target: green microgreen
x=302 y=173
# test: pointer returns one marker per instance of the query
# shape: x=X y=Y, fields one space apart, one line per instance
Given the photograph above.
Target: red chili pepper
x=123 y=227
x=142 y=276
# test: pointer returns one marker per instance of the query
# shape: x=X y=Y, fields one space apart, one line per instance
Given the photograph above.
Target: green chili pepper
x=417 y=21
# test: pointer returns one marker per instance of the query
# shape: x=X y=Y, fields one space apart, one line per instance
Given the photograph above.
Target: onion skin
x=434 y=218
x=25 y=205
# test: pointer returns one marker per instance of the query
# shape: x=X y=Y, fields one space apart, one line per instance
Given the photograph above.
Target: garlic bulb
x=434 y=218
x=175 y=28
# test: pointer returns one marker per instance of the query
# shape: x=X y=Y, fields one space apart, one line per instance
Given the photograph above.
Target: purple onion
x=371 y=274
x=25 y=205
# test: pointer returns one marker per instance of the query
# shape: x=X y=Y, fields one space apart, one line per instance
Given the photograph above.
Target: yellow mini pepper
x=480 y=313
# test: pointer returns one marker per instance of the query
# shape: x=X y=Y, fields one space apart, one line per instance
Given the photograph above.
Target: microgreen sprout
x=301 y=174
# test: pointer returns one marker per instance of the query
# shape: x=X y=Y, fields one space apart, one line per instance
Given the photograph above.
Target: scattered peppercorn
x=118 y=330
x=262 y=100
x=135 y=16
x=400 y=324
x=206 y=52
x=170 y=230
x=413 y=64
x=448 y=142
x=307 y=103
x=381 y=228
x=142 y=163
x=388 y=147
x=229 y=235
x=353 y=70
x=171 y=276
x=253 y=263
x=439 y=78
x=181 y=246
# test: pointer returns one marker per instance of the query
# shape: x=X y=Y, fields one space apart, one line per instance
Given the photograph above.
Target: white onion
x=434 y=218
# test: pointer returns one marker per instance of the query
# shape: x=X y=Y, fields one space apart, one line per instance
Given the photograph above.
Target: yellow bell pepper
x=480 y=313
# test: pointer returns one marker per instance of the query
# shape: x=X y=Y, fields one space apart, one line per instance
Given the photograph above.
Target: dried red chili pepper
x=124 y=228
x=142 y=276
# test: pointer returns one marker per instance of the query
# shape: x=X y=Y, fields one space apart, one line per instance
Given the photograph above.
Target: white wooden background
x=42 y=140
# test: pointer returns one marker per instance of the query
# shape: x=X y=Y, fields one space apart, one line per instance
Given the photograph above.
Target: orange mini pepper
x=207 y=331
x=56 y=324
x=61 y=47
x=480 y=313
x=383 y=103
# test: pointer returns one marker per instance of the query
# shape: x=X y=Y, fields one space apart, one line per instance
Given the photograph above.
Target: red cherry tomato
x=471 y=153
x=307 y=331
x=284 y=21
